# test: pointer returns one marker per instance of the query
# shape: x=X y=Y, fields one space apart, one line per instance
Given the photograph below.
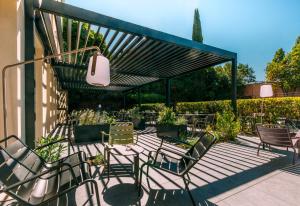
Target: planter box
x=171 y=130
x=139 y=124
x=89 y=133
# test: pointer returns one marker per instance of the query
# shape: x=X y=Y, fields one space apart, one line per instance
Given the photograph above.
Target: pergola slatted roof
x=138 y=55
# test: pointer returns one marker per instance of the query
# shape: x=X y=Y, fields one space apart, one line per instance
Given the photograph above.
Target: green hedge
x=273 y=107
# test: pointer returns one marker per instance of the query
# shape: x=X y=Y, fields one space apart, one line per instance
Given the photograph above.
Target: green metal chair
x=162 y=160
x=121 y=133
x=27 y=178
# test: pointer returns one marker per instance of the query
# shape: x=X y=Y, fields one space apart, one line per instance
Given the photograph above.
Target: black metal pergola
x=138 y=55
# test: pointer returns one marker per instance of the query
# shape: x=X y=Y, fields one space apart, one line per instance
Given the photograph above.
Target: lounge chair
x=27 y=178
x=275 y=135
x=180 y=166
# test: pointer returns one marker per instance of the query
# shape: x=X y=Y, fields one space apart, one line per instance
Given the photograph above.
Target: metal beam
x=234 y=84
x=82 y=82
x=77 y=40
x=86 y=41
x=139 y=97
x=116 y=24
x=69 y=38
x=49 y=29
x=29 y=76
x=168 y=92
x=59 y=27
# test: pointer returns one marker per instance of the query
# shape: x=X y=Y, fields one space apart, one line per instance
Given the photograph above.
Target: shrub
x=166 y=116
x=272 y=107
x=157 y=107
x=181 y=121
x=227 y=126
x=90 y=117
x=134 y=113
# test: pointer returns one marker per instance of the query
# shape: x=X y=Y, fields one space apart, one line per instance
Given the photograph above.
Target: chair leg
x=97 y=193
x=258 y=149
x=188 y=190
x=141 y=175
x=188 y=176
x=294 y=156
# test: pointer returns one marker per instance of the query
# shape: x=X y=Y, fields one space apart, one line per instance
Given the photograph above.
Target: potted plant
x=97 y=160
x=90 y=126
x=169 y=125
x=52 y=152
x=137 y=119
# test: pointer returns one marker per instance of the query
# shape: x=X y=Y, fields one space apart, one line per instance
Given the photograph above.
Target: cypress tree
x=197 y=30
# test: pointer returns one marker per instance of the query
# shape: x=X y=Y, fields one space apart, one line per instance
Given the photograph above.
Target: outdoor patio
x=88 y=76
x=229 y=174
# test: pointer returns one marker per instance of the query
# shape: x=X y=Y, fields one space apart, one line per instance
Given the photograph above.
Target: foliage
x=90 y=117
x=94 y=39
x=197 y=30
x=148 y=97
x=227 y=126
x=98 y=160
x=285 y=68
x=181 y=121
x=134 y=113
x=273 y=107
x=157 y=107
x=166 y=116
x=52 y=152
x=245 y=75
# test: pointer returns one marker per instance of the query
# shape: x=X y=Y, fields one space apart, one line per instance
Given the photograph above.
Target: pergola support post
x=139 y=97
x=29 y=76
x=124 y=101
x=168 y=92
x=234 y=84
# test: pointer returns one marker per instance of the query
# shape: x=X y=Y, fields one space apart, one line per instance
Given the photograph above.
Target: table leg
x=136 y=168
x=298 y=143
x=108 y=164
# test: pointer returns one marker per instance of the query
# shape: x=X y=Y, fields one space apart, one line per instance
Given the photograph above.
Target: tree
x=94 y=38
x=285 y=68
x=197 y=30
x=245 y=75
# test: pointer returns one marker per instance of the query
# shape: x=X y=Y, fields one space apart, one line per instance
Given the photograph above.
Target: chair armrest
x=175 y=152
x=40 y=175
x=174 y=139
x=9 y=137
x=102 y=135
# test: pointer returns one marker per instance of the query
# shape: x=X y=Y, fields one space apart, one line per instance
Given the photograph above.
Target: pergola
x=138 y=55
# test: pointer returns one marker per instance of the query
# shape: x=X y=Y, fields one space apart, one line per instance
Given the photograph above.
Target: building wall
x=253 y=91
x=47 y=95
x=12 y=51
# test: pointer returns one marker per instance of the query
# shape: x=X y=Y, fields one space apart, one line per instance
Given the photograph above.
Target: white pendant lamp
x=98 y=73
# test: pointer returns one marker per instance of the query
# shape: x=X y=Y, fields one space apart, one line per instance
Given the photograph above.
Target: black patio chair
x=162 y=160
x=275 y=135
x=27 y=178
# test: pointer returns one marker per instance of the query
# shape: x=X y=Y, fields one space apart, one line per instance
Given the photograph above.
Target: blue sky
x=254 y=29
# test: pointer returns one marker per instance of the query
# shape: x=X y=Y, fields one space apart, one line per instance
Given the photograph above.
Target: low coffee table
x=125 y=150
